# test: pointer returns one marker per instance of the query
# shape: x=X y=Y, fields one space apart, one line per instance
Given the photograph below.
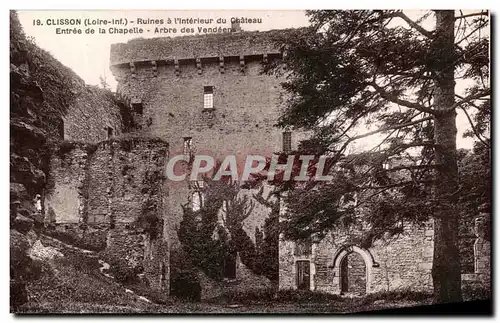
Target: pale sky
x=88 y=55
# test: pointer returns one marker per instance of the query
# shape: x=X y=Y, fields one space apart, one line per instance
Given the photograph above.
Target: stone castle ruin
x=106 y=183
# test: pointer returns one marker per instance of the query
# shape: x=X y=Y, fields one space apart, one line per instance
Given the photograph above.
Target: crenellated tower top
x=184 y=49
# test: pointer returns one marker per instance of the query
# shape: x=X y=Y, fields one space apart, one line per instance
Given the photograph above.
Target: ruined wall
x=111 y=197
x=400 y=262
x=90 y=115
x=482 y=253
x=189 y=47
x=65 y=196
x=246 y=103
x=49 y=103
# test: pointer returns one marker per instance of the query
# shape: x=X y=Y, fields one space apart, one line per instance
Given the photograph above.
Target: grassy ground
x=74 y=284
x=208 y=308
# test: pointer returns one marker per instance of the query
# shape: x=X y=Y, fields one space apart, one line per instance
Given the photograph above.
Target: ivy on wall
x=209 y=243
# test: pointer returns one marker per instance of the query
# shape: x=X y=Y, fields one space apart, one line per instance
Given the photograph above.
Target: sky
x=88 y=54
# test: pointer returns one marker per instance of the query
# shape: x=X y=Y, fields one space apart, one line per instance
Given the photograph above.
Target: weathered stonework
x=400 y=262
x=112 y=194
x=192 y=47
x=482 y=254
x=91 y=115
x=165 y=78
x=246 y=104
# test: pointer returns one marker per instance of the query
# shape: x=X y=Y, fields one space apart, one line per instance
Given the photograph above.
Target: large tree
x=388 y=73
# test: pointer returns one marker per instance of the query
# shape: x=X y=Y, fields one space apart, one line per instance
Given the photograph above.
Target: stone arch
x=341 y=255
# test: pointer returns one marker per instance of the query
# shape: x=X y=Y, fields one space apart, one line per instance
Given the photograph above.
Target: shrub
x=271 y=294
x=472 y=293
x=306 y=296
x=398 y=295
x=120 y=269
x=186 y=286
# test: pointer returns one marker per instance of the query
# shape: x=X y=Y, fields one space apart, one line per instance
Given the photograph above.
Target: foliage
x=397 y=295
x=71 y=237
x=210 y=243
x=186 y=286
x=75 y=280
x=381 y=71
x=196 y=235
x=475 y=190
x=269 y=295
x=121 y=270
x=472 y=293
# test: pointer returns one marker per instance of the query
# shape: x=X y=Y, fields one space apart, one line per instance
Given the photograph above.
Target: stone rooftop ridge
x=195 y=46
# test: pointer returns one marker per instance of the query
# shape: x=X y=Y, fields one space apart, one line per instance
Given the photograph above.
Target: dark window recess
x=208 y=97
x=110 y=132
x=303 y=275
x=303 y=248
x=188 y=142
x=287 y=141
x=353 y=274
x=137 y=107
x=230 y=265
x=61 y=129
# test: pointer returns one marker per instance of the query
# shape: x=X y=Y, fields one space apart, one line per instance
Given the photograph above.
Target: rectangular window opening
x=287 y=141
x=110 y=132
x=230 y=264
x=137 y=107
x=61 y=129
x=198 y=196
x=188 y=142
x=208 y=97
x=303 y=275
x=197 y=200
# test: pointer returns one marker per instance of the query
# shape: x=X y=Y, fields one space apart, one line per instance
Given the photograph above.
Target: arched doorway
x=353 y=274
x=353 y=270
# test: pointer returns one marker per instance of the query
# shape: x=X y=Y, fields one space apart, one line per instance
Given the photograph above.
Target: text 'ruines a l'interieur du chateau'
x=138 y=26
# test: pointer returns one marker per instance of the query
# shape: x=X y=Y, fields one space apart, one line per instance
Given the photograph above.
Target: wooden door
x=303 y=275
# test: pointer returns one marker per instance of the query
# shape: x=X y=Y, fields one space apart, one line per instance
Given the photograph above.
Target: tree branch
x=474 y=128
x=470 y=103
x=386 y=95
x=410 y=167
x=392 y=185
x=482 y=13
x=471 y=97
x=473 y=31
x=412 y=23
x=403 y=125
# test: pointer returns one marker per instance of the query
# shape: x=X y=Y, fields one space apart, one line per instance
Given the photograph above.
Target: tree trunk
x=446 y=272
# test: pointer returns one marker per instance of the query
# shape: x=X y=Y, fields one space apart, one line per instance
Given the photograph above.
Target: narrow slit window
x=110 y=132
x=137 y=108
x=61 y=129
x=287 y=141
x=197 y=200
x=188 y=145
x=198 y=196
x=208 y=97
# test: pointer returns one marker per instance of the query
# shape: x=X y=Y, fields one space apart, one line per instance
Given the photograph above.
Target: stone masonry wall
x=400 y=262
x=113 y=194
x=482 y=254
x=90 y=115
x=189 y=47
x=246 y=105
x=65 y=196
